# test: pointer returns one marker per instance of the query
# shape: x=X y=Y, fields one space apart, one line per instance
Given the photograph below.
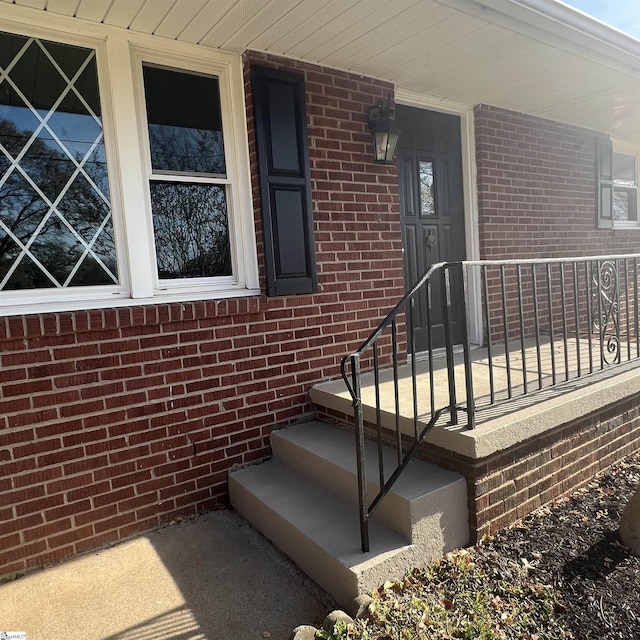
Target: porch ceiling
x=536 y=56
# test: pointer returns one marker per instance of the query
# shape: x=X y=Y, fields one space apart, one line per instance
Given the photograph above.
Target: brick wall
x=510 y=485
x=537 y=189
x=537 y=198
x=113 y=421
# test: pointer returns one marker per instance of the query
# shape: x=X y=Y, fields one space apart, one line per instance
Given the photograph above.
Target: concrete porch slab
x=498 y=427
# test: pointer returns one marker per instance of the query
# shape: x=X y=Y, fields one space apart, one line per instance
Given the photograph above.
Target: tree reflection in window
x=186 y=150
x=191 y=230
x=55 y=216
x=427 y=191
x=190 y=217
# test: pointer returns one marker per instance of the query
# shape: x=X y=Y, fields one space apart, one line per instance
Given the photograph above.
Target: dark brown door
x=432 y=210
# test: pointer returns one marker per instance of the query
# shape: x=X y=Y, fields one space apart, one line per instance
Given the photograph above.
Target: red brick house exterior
x=114 y=421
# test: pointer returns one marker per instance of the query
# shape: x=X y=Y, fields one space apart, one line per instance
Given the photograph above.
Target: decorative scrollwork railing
x=606 y=308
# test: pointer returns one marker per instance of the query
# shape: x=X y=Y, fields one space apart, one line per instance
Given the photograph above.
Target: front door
x=432 y=211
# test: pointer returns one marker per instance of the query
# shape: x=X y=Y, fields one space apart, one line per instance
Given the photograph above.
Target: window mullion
x=132 y=172
x=187 y=178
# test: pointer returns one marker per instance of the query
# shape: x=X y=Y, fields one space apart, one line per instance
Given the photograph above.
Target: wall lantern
x=384 y=131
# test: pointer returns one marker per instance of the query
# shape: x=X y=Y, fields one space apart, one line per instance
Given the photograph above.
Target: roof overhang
x=535 y=56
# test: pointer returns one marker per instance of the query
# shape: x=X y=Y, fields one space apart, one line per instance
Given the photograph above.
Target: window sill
x=623 y=230
x=56 y=306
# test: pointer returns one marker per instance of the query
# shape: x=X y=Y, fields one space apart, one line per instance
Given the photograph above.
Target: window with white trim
x=56 y=227
x=625 y=189
x=102 y=204
x=188 y=181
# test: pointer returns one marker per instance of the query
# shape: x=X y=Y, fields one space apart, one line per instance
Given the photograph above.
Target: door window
x=426 y=182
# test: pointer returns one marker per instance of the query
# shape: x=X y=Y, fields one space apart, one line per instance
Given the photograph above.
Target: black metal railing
x=470 y=335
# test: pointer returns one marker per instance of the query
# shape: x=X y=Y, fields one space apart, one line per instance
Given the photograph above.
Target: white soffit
x=535 y=56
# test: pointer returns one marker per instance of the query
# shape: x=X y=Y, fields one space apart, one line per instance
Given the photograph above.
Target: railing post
x=448 y=342
x=360 y=461
x=468 y=376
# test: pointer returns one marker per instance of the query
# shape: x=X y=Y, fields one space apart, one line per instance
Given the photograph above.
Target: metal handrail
x=544 y=322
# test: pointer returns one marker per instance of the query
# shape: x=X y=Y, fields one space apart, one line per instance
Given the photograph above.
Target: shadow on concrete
x=235 y=584
x=177 y=624
x=212 y=579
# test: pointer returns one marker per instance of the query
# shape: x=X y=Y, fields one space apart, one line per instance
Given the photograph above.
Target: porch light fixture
x=384 y=131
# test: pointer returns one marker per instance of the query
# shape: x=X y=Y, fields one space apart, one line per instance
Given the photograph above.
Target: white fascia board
x=561 y=27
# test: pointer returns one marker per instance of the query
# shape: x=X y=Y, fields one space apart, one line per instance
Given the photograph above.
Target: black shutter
x=604 y=170
x=285 y=185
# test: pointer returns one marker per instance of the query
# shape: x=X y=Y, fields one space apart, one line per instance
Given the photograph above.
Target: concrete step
x=318 y=531
x=304 y=500
x=427 y=504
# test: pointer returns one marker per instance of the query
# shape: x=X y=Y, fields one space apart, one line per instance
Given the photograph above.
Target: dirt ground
x=561 y=573
x=573 y=545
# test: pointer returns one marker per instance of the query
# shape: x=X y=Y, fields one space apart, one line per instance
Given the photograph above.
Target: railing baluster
x=414 y=377
x=626 y=306
x=468 y=374
x=564 y=321
x=522 y=345
x=376 y=382
x=448 y=340
x=505 y=326
x=588 y=274
x=432 y=386
x=551 y=333
x=360 y=461
x=576 y=315
x=485 y=293
x=396 y=388
x=534 y=286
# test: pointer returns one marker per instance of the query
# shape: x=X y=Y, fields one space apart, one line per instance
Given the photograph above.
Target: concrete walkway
x=214 y=579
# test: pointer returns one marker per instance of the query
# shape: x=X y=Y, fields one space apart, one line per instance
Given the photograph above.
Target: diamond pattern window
x=56 y=228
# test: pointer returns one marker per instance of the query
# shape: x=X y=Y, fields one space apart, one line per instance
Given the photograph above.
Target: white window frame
x=624 y=148
x=211 y=68
x=119 y=57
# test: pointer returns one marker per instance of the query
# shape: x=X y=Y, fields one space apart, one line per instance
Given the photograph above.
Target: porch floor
x=549 y=402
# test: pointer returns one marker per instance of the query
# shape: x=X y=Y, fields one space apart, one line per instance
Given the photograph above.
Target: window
x=427 y=188
x=625 y=189
x=617 y=184
x=188 y=174
x=124 y=173
x=56 y=227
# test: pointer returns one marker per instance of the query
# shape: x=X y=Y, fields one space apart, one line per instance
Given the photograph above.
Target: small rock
x=266 y=634
x=334 y=617
x=361 y=606
x=630 y=524
x=304 y=632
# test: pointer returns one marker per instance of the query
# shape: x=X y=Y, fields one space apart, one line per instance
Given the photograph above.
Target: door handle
x=431 y=241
